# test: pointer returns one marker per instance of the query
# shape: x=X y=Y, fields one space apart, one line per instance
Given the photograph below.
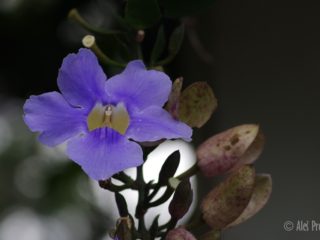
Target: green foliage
x=142 y=14
x=174 y=45
x=181 y=8
x=159 y=46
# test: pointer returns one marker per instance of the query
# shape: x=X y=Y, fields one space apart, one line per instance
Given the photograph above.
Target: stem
x=154 y=192
x=189 y=173
x=164 y=226
x=169 y=225
x=121 y=176
x=164 y=61
x=172 y=224
x=169 y=191
x=139 y=51
x=195 y=222
x=141 y=209
x=104 y=58
x=111 y=187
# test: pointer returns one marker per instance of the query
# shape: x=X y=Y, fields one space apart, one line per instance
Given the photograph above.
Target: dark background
x=264 y=69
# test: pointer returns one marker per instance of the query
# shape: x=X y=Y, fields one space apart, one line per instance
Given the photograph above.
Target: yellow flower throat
x=115 y=117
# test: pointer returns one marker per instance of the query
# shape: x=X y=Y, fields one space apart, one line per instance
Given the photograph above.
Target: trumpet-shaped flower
x=102 y=120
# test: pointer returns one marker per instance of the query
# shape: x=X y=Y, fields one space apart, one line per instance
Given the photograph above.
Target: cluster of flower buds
x=230 y=154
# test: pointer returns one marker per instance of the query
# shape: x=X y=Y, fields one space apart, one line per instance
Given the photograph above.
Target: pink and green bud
x=261 y=194
x=196 y=104
x=225 y=203
x=230 y=149
x=180 y=234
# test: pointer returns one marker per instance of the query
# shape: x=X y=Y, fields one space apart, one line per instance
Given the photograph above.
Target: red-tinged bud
x=180 y=234
x=225 y=203
x=230 y=149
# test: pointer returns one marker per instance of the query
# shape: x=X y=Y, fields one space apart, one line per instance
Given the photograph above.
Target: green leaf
x=260 y=196
x=227 y=201
x=182 y=200
x=196 y=105
x=142 y=14
x=169 y=167
x=159 y=46
x=181 y=8
x=174 y=46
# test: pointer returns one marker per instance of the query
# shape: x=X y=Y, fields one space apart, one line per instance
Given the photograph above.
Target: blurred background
x=262 y=60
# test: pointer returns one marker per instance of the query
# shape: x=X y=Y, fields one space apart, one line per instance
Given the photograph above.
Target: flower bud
x=227 y=201
x=260 y=196
x=140 y=36
x=230 y=149
x=180 y=234
x=172 y=105
x=196 y=104
x=124 y=229
x=182 y=200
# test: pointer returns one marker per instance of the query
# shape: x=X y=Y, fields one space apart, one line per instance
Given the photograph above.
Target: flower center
x=115 y=117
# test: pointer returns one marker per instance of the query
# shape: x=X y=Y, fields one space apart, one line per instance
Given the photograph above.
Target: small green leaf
x=159 y=46
x=227 y=201
x=176 y=40
x=122 y=205
x=197 y=103
x=142 y=14
x=182 y=200
x=169 y=167
x=261 y=194
x=181 y=8
x=174 y=46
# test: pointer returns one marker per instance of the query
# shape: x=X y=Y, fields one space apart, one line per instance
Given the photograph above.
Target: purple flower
x=100 y=118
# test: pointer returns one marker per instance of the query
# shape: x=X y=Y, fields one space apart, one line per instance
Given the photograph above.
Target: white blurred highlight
x=9 y=5
x=23 y=224
x=6 y=134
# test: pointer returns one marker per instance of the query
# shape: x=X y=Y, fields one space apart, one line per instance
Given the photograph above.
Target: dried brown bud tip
x=140 y=36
